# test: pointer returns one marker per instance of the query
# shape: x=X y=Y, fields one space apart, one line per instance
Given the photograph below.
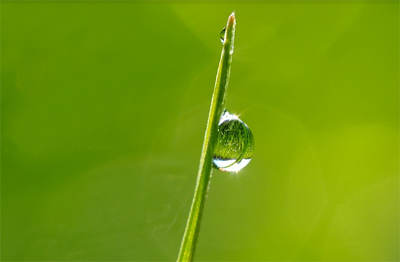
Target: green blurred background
x=103 y=112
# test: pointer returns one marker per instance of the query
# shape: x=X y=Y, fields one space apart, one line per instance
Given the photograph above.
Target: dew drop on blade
x=222 y=35
x=235 y=144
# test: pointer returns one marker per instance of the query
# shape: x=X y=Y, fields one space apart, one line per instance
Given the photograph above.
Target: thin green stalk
x=188 y=244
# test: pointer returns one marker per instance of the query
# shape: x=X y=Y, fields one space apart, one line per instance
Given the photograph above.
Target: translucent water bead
x=235 y=144
x=222 y=35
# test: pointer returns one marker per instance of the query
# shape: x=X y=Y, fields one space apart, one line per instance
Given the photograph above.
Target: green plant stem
x=188 y=244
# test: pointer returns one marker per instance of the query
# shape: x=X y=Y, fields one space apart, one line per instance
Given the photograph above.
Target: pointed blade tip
x=232 y=17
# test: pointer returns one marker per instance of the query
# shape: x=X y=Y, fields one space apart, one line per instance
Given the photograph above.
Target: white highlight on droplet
x=230 y=165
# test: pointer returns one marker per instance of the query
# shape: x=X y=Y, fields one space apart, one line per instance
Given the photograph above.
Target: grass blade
x=188 y=244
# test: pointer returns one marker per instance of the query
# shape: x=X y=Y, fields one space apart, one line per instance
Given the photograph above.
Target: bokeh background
x=103 y=112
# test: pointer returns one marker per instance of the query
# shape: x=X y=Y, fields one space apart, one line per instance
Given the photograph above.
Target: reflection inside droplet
x=235 y=144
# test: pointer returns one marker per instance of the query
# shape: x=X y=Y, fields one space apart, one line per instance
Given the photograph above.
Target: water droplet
x=235 y=144
x=222 y=35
